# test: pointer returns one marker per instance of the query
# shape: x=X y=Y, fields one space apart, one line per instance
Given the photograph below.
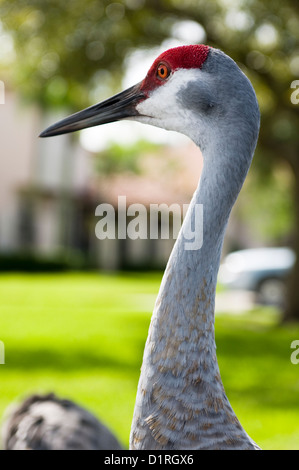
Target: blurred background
x=74 y=309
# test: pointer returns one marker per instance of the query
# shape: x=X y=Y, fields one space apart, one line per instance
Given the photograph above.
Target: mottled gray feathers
x=181 y=402
x=50 y=423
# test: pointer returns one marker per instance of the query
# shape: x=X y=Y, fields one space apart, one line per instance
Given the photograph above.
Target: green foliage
x=66 y=50
x=123 y=158
x=266 y=205
x=63 y=48
x=32 y=262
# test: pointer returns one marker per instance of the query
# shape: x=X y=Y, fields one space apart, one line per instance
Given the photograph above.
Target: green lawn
x=82 y=335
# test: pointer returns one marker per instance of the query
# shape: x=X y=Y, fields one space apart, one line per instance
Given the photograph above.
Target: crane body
x=201 y=92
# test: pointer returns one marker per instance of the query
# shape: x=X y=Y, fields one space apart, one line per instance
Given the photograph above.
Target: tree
x=64 y=49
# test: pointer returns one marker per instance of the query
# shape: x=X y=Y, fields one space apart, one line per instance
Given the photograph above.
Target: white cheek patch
x=163 y=98
x=163 y=108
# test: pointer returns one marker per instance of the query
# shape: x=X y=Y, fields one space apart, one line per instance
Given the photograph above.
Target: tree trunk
x=291 y=313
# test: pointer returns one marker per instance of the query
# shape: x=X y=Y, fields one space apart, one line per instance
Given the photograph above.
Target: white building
x=44 y=183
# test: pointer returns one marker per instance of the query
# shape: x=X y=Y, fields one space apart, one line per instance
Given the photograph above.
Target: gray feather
x=50 y=423
x=181 y=402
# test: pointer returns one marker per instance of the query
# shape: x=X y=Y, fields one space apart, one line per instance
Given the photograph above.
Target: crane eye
x=163 y=72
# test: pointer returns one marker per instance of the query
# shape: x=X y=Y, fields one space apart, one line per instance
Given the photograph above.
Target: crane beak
x=120 y=106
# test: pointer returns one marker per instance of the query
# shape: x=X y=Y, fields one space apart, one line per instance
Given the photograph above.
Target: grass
x=83 y=335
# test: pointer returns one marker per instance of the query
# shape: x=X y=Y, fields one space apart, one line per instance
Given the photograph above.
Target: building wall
x=36 y=176
x=17 y=152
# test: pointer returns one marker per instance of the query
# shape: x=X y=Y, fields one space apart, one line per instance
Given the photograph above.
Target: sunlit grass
x=80 y=335
x=83 y=335
x=260 y=379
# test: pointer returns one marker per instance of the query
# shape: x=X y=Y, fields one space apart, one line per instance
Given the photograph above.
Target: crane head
x=196 y=90
x=151 y=101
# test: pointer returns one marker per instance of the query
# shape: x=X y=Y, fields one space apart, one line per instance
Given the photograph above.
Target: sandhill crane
x=46 y=422
x=201 y=92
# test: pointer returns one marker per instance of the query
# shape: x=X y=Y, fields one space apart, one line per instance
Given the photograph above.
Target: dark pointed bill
x=120 y=106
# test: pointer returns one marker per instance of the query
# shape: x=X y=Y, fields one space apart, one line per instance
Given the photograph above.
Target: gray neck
x=181 y=403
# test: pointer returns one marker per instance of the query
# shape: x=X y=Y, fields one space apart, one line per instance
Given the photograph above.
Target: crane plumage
x=202 y=93
x=46 y=422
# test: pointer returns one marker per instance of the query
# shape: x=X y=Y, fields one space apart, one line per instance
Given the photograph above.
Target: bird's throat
x=181 y=401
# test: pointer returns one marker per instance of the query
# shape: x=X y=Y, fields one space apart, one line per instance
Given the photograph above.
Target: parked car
x=261 y=270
